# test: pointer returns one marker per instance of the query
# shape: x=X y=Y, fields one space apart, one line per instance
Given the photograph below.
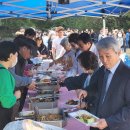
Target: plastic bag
x=30 y=125
x=24 y=125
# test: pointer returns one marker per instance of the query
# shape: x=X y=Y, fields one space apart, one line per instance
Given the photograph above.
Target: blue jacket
x=127 y=38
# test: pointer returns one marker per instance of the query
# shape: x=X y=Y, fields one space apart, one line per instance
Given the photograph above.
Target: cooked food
x=72 y=102
x=46 y=80
x=49 y=117
x=43 y=99
x=86 y=118
x=45 y=92
x=43 y=81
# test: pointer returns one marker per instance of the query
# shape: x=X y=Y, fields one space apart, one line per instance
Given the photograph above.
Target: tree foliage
x=9 y=26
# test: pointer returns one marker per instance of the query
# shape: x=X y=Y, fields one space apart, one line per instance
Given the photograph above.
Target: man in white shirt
x=85 y=43
x=45 y=39
x=76 y=68
x=57 y=49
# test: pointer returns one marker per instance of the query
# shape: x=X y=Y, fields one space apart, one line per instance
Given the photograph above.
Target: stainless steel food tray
x=43 y=105
x=59 y=123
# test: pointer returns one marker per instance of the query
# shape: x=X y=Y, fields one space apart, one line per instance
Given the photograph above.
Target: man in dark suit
x=112 y=89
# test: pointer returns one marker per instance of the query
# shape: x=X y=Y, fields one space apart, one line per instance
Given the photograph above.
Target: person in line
x=76 y=68
x=128 y=38
x=112 y=89
x=30 y=34
x=89 y=63
x=67 y=58
x=57 y=50
x=42 y=49
x=86 y=44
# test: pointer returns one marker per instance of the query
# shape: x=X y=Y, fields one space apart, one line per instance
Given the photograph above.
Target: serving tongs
x=82 y=99
x=36 y=111
x=29 y=98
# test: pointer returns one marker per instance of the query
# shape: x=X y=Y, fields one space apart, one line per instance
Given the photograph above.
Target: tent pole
x=104 y=25
x=0 y=22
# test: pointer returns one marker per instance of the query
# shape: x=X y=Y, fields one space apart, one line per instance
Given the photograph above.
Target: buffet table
x=72 y=124
x=65 y=95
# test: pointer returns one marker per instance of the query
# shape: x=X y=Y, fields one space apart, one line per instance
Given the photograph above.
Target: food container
x=72 y=103
x=46 y=92
x=84 y=117
x=60 y=123
x=43 y=92
x=42 y=104
x=26 y=115
x=46 y=86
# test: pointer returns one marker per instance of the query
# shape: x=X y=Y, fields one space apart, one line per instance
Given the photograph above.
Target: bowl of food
x=72 y=103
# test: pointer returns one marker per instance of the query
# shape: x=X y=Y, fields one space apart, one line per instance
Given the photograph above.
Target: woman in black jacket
x=89 y=62
x=42 y=49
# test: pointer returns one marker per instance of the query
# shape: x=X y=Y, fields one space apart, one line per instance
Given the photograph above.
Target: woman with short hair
x=8 y=59
x=89 y=63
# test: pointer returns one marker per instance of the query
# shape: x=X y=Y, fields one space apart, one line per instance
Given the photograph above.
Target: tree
x=81 y=23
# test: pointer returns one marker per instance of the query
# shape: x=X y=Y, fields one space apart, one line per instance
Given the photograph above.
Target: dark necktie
x=105 y=87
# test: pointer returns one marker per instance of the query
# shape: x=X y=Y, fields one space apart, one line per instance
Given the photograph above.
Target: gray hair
x=108 y=43
x=64 y=42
